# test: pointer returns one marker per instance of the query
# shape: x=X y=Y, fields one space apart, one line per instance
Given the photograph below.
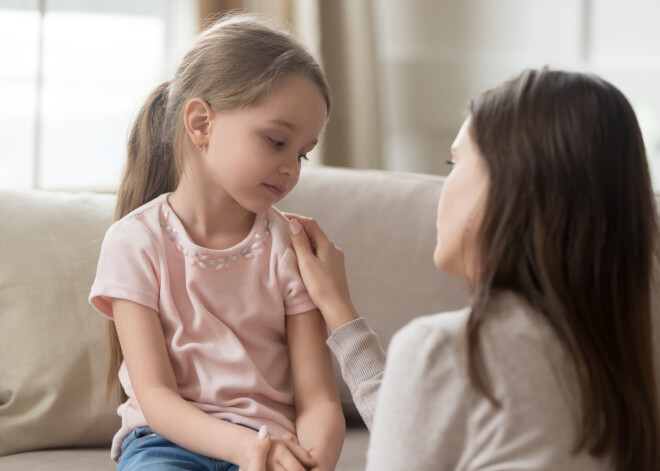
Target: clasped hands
x=280 y=454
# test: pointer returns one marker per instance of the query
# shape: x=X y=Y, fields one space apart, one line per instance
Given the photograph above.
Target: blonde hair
x=232 y=64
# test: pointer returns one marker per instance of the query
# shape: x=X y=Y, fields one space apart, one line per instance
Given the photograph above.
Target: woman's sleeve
x=362 y=361
x=421 y=415
x=127 y=269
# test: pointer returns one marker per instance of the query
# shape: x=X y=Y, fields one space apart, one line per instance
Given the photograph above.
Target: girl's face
x=460 y=208
x=254 y=153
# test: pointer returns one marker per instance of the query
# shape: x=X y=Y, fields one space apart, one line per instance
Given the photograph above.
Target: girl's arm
x=167 y=413
x=354 y=344
x=320 y=421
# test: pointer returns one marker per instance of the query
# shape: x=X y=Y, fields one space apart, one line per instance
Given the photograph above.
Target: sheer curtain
x=74 y=74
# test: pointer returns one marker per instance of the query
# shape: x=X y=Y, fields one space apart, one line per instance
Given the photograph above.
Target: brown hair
x=570 y=225
x=232 y=64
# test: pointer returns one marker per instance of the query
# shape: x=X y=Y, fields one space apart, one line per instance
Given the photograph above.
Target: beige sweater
x=428 y=416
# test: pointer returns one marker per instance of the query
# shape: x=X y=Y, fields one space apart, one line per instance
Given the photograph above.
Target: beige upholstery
x=52 y=344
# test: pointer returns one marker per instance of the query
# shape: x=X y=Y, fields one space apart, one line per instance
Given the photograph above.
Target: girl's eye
x=451 y=163
x=275 y=142
x=302 y=157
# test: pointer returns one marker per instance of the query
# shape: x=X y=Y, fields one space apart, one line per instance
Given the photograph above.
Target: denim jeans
x=145 y=450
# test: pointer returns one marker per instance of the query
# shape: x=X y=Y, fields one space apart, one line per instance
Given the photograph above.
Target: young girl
x=549 y=215
x=218 y=334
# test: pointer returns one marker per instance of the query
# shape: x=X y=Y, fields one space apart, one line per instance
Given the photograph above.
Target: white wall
x=434 y=55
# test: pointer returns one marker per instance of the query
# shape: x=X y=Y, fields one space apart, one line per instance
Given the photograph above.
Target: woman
x=549 y=216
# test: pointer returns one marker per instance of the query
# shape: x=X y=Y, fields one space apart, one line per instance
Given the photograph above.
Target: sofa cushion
x=52 y=343
x=71 y=459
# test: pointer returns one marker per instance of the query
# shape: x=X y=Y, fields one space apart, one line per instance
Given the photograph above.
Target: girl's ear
x=197 y=117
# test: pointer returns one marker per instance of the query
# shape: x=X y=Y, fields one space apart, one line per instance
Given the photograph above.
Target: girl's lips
x=277 y=190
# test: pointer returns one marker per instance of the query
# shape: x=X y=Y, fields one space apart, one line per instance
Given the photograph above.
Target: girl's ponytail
x=150 y=168
x=150 y=171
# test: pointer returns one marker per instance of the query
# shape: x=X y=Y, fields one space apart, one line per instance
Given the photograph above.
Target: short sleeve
x=421 y=414
x=295 y=296
x=127 y=268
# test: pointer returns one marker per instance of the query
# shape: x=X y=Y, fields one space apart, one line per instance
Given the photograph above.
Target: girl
x=218 y=334
x=549 y=215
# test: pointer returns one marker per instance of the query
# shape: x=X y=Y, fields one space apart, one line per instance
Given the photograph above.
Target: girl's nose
x=290 y=167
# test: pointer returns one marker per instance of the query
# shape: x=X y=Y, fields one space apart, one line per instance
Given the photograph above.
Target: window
x=73 y=82
x=434 y=56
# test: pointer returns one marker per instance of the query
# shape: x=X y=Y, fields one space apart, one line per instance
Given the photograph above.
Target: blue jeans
x=145 y=450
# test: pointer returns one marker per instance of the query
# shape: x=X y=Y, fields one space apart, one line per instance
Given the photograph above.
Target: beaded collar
x=252 y=246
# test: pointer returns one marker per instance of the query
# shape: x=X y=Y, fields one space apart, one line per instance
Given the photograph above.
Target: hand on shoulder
x=323 y=271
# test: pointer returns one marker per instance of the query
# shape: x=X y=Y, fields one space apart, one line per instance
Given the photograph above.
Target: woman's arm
x=167 y=413
x=362 y=361
x=320 y=422
x=353 y=343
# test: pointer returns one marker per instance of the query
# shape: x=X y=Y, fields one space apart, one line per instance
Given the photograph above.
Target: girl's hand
x=279 y=454
x=286 y=455
x=322 y=268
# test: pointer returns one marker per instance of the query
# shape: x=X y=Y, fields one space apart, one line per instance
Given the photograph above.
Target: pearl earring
x=200 y=148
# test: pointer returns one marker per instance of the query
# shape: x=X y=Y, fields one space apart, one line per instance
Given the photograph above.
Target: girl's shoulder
x=278 y=229
x=140 y=226
x=144 y=213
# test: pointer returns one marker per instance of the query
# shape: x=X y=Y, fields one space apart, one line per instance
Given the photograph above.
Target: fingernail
x=295 y=226
x=263 y=431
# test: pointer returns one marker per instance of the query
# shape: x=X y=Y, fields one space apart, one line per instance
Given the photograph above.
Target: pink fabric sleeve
x=127 y=268
x=295 y=296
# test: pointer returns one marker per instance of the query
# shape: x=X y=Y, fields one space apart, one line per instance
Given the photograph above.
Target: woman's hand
x=259 y=458
x=280 y=454
x=322 y=268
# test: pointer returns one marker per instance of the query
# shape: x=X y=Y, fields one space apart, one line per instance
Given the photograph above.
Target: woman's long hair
x=232 y=64
x=570 y=225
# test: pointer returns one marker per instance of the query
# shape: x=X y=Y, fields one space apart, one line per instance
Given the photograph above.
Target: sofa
x=53 y=410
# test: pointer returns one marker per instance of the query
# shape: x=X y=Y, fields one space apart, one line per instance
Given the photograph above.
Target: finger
x=315 y=235
x=258 y=461
x=302 y=455
x=289 y=463
x=299 y=240
x=310 y=225
x=291 y=437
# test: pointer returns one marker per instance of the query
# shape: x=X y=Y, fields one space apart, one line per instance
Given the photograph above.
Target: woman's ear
x=197 y=117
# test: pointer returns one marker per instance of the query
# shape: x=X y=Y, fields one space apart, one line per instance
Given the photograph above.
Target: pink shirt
x=222 y=313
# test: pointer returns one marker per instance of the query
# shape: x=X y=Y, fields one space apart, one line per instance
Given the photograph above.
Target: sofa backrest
x=385 y=224
x=53 y=345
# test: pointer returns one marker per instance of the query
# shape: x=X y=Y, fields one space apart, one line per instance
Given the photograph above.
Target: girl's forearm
x=172 y=417
x=321 y=429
